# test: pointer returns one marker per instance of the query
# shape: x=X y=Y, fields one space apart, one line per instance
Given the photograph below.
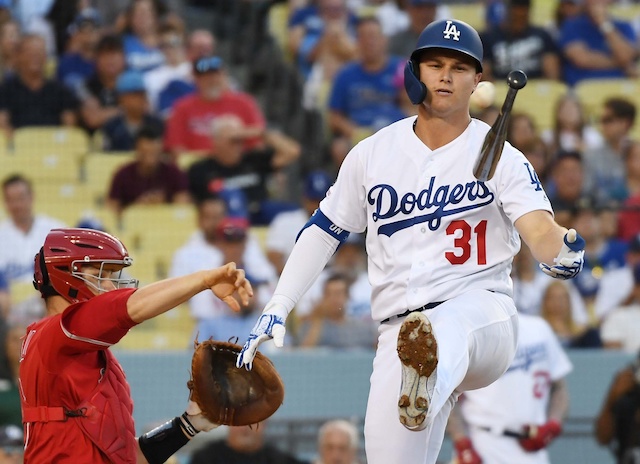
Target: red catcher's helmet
x=58 y=267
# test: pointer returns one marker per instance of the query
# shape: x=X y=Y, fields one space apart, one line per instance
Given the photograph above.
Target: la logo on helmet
x=451 y=30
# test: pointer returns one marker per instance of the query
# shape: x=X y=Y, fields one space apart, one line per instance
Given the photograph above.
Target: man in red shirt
x=76 y=402
x=189 y=125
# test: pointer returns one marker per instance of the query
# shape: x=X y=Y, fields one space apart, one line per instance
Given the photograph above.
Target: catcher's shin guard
x=418 y=353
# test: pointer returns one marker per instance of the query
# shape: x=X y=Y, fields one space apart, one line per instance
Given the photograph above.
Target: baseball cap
x=233 y=229
x=208 y=64
x=316 y=185
x=87 y=17
x=11 y=438
x=130 y=82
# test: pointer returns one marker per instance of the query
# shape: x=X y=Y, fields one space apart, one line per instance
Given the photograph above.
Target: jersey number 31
x=464 y=242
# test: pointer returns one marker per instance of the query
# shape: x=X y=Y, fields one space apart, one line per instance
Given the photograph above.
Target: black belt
x=409 y=311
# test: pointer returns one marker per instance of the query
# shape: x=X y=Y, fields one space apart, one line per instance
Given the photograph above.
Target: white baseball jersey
x=519 y=397
x=17 y=249
x=434 y=231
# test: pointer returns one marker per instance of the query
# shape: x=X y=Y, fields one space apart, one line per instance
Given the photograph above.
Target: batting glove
x=570 y=259
x=270 y=325
x=465 y=453
x=539 y=436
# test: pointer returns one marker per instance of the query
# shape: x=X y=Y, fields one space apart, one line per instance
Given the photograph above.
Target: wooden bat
x=493 y=144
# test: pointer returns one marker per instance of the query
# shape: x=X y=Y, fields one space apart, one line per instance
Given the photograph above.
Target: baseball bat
x=493 y=144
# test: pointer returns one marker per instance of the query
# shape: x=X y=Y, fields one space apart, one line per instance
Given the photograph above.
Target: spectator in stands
x=9 y=40
x=595 y=45
x=29 y=98
x=141 y=36
x=329 y=325
x=571 y=131
x=517 y=44
x=286 y=226
x=566 y=185
x=189 y=125
x=621 y=327
x=629 y=215
x=363 y=95
x=244 y=445
x=11 y=445
x=617 y=423
x=176 y=67
x=565 y=9
x=338 y=443
x=605 y=170
x=228 y=165
x=22 y=232
x=202 y=251
x=556 y=310
x=200 y=44
x=77 y=64
x=421 y=13
x=98 y=94
x=322 y=34
x=119 y=132
x=10 y=413
x=147 y=180
x=521 y=130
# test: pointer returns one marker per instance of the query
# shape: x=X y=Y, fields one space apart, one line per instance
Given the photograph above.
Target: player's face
x=101 y=281
x=451 y=78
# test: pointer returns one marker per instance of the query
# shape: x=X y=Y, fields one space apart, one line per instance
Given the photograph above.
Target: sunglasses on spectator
x=210 y=64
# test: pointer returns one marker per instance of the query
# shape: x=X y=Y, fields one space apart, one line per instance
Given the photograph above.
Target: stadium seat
x=21 y=291
x=66 y=201
x=47 y=153
x=538 y=99
x=98 y=170
x=593 y=93
x=186 y=159
x=471 y=13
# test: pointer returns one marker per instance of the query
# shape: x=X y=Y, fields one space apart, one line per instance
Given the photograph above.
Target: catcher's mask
x=60 y=268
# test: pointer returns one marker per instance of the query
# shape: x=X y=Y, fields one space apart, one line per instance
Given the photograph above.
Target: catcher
x=76 y=403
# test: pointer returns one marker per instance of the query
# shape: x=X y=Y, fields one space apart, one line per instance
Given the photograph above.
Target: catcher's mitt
x=229 y=395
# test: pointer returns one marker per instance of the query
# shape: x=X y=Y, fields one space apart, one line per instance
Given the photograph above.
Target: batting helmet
x=58 y=267
x=449 y=34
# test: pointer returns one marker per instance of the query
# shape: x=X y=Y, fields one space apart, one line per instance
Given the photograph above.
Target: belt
x=504 y=432
x=409 y=311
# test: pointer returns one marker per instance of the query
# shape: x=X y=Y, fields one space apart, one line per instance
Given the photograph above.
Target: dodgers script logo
x=389 y=204
x=451 y=30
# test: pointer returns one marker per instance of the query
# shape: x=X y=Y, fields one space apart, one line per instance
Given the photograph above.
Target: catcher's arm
x=157 y=298
x=158 y=445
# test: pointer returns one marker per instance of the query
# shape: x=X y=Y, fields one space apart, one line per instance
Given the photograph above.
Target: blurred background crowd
x=207 y=131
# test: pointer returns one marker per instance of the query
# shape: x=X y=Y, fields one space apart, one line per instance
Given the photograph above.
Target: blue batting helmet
x=449 y=34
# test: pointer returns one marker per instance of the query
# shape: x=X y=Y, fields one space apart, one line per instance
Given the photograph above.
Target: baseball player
x=76 y=403
x=439 y=245
x=515 y=418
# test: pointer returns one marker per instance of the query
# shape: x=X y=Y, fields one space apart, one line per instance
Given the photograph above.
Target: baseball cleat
x=418 y=353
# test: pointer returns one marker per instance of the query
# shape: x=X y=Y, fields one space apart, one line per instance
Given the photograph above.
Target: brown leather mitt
x=230 y=395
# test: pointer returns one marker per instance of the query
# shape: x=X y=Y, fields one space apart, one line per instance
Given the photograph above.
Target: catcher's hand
x=570 y=259
x=230 y=396
x=269 y=325
x=194 y=414
x=228 y=281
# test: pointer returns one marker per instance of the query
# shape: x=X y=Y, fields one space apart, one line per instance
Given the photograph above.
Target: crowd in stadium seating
x=193 y=95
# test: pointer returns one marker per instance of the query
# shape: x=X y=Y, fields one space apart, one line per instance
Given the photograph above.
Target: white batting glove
x=270 y=325
x=570 y=259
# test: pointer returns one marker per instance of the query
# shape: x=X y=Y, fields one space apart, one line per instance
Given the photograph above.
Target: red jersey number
x=463 y=242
